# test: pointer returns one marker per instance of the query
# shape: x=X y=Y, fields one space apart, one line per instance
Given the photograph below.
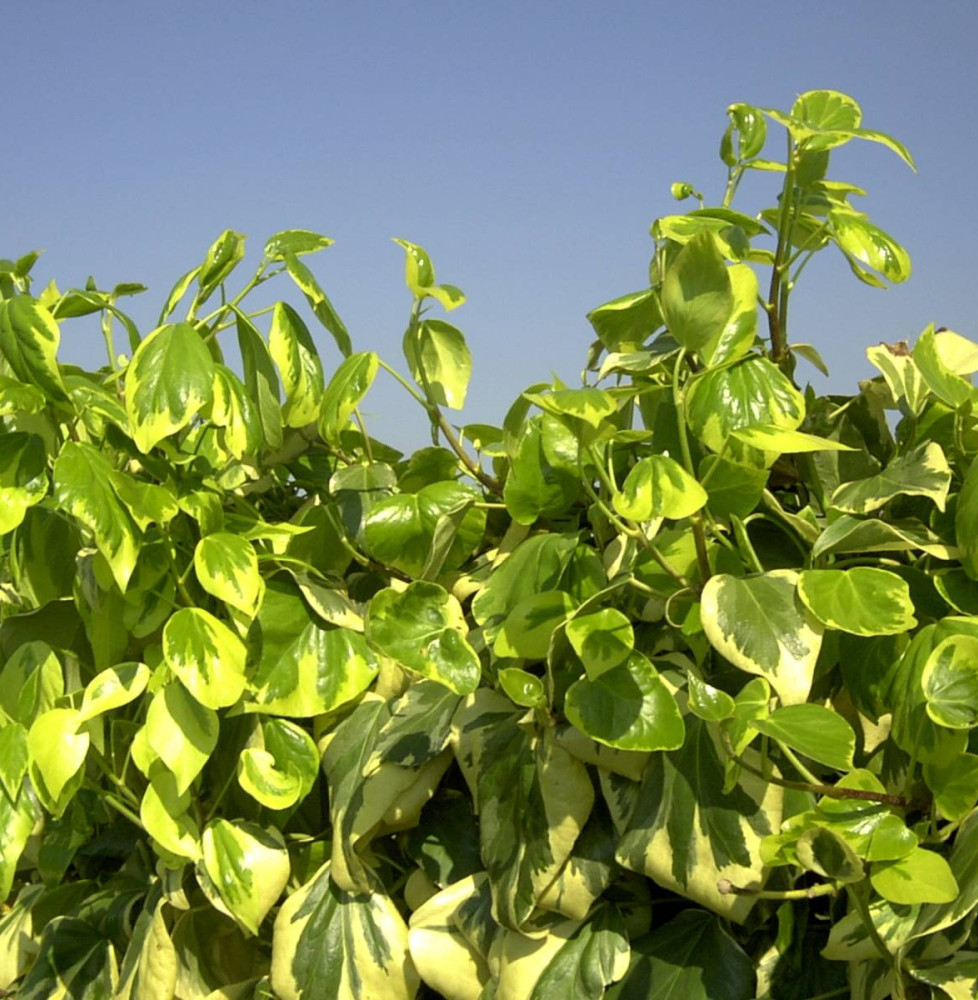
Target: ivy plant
x=665 y=686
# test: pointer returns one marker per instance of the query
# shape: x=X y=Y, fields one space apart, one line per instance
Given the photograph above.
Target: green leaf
x=260 y=380
x=760 y=625
x=14 y=758
x=23 y=477
x=789 y=442
x=730 y=230
x=863 y=600
x=947 y=385
x=850 y=534
x=731 y=488
x=628 y=707
x=423 y=628
x=419 y=276
x=520 y=686
x=527 y=629
x=147 y=503
x=296 y=242
x=295 y=354
x=814 y=731
x=149 y=968
x=923 y=472
x=750 y=393
x=318 y=302
x=689 y=958
x=165 y=816
x=169 y=380
x=535 y=565
x=658 y=486
x=603 y=639
x=17 y=821
x=182 y=732
x=449 y=939
x=57 y=749
x=737 y=336
x=626 y=322
x=332 y=945
x=232 y=408
x=227 y=567
x=966 y=521
x=83 y=487
x=825 y=852
x=828 y=110
x=751 y=130
x=913 y=729
x=31 y=682
x=542 y=480
x=589 y=406
x=709 y=703
x=697 y=297
x=207 y=657
x=859 y=238
x=312 y=671
x=440 y=361
x=224 y=255
x=901 y=376
x=687 y=833
x=29 y=338
x=249 y=867
x=950 y=682
x=113 y=688
x=400 y=530
x=920 y=877
x=284 y=771
x=349 y=384
x=955 y=786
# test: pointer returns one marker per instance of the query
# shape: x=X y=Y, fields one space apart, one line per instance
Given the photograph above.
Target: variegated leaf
x=922 y=472
x=686 y=833
x=182 y=732
x=82 y=486
x=227 y=567
x=444 y=949
x=29 y=338
x=168 y=381
x=760 y=625
x=248 y=865
x=207 y=657
x=333 y=945
x=149 y=967
x=533 y=798
x=370 y=791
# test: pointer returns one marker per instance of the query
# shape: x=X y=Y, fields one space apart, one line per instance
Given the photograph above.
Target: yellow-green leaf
x=168 y=381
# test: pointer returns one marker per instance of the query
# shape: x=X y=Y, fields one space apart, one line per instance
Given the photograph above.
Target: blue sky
x=527 y=146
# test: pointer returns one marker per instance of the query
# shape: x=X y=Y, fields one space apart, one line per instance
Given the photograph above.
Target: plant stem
x=817 y=788
x=725 y=887
x=776 y=326
x=679 y=404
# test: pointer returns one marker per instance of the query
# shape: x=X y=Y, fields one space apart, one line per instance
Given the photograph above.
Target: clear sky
x=527 y=145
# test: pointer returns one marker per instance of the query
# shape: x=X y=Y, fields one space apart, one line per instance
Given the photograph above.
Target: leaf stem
x=725 y=887
x=817 y=788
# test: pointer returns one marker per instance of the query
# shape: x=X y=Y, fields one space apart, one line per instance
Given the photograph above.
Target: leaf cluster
x=667 y=685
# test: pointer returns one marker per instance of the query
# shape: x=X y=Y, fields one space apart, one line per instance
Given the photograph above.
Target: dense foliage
x=665 y=687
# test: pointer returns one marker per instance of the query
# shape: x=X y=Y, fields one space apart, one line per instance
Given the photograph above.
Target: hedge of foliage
x=665 y=687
